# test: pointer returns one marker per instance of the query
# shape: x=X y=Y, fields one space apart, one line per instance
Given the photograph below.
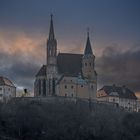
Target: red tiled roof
x=123 y=92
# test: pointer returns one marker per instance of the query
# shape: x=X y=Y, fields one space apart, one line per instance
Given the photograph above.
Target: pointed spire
x=88 y=49
x=51 y=33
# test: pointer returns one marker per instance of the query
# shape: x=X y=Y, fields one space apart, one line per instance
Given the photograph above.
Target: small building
x=121 y=96
x=138 y=105
x=7 y=89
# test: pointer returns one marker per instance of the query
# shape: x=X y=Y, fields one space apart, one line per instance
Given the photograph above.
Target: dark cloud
x=121 y=68
x=21 y=56
x=21 y=72
x=114 y=66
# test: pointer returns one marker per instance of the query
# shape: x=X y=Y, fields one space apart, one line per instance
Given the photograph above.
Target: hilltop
x=60 y=120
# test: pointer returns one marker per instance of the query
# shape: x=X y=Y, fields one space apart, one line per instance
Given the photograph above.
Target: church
x=66 y=74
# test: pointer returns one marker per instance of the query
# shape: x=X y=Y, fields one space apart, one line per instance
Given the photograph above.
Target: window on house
x=65 y=94
x=71 y=86
x=113 y=99
x=85 y=64
x=65 y=86
x=0 y=95
x=90 y=64
x=0 y=88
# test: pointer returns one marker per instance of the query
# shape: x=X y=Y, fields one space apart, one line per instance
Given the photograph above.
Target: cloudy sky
x=114 y=33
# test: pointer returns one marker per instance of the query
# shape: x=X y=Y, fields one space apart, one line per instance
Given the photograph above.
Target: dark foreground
x=30 y=120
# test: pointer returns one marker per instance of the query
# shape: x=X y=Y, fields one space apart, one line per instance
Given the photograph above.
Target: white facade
x=138 y=105
x=7 y=89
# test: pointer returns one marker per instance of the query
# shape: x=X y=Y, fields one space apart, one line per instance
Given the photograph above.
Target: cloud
x=122 y=68
x=21 y=73
x=21 y=56
x=68 y=46
x=22 y=44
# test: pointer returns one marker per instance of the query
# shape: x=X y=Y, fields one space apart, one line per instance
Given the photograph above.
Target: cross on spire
x=51 y=16
x=88 y=31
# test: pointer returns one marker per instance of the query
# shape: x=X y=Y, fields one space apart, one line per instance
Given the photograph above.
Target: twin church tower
x=66 y=74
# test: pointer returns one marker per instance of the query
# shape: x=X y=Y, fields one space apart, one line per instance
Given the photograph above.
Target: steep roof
x=69 y=63
x=123 y=92
x=51 y=33
x=42 y=71
x=5 y=81
x=88 y=49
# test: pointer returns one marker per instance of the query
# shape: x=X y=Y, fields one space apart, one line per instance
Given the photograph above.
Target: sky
x=114 y=33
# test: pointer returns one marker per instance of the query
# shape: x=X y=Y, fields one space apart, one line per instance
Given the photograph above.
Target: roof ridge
x=70 y=53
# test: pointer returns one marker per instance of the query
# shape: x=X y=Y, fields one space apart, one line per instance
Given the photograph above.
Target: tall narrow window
x=44 y=87
x=39 y=87
x=90 y=64
x=53 y=85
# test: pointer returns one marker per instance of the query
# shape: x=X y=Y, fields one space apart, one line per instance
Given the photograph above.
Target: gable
x=42 y=71
x=5 y=81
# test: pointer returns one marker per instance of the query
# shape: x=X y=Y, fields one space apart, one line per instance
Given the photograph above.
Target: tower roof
x=88 y=49
x=51 y=33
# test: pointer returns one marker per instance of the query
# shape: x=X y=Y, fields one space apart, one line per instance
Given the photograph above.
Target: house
x=138 y=105
x=66 y=74
x=7 y=89
x=122 y=96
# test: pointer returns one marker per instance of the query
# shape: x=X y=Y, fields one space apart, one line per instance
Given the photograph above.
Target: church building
x=66 y=74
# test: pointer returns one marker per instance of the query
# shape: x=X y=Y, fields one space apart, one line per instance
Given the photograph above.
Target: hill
x=38 y=120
